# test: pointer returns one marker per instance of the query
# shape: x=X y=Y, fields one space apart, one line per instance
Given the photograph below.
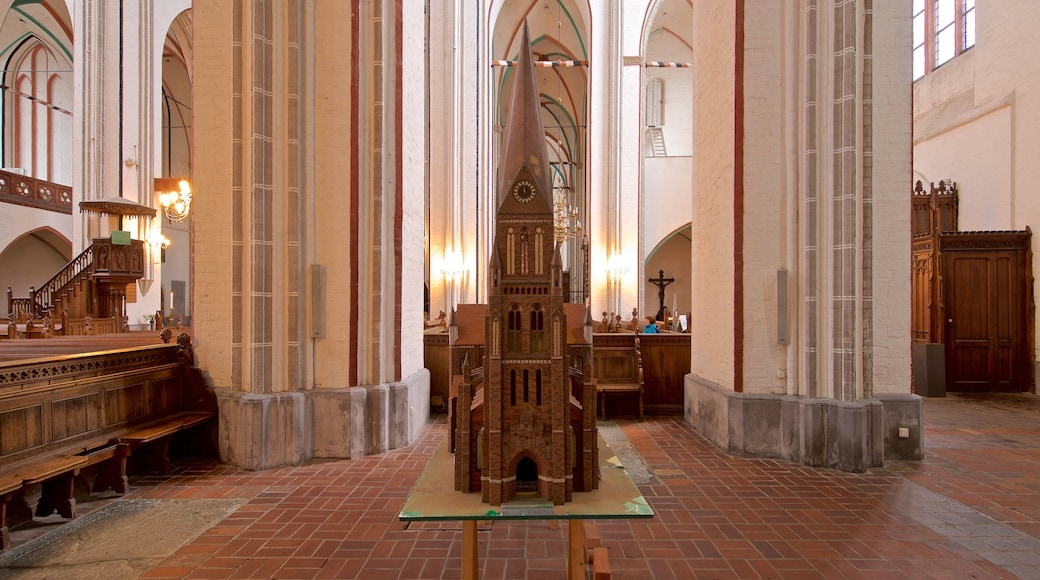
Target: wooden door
x=987 y=304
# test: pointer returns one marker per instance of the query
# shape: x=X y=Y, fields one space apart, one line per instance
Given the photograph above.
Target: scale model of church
x=523 y=403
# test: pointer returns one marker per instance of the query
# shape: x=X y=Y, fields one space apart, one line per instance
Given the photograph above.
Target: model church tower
x=523 y=403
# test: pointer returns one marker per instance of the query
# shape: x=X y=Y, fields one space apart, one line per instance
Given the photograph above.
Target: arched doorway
x=526 y=477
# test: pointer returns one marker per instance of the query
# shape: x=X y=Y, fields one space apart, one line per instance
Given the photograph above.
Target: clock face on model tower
x=523 y=191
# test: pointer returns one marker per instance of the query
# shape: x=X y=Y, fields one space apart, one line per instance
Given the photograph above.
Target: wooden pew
x=618 y=370
x=75 y=419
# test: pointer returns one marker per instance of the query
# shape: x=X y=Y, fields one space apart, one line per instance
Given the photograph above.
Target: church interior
x=796 y=234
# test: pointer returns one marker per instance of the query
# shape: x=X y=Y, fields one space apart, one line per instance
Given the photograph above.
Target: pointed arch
x=38 y=111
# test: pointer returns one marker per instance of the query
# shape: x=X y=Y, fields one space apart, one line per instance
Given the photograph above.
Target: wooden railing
x=21 y=308
x=37 y=193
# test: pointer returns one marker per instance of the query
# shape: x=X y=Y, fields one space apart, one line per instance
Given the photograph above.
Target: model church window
x=537 y=329
x=538 y=387
x=513 y=340
x=512 y=387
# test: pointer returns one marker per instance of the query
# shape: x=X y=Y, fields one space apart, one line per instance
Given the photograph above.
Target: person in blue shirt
x=651 y=325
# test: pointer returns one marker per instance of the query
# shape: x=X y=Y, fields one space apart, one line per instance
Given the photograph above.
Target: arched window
x=512 y=387
x=538 y=387
x=537 y=328
x=526 y=387
x=38 y=113
x=513 y=337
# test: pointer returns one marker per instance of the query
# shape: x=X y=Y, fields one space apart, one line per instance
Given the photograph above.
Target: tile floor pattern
x=971 y=509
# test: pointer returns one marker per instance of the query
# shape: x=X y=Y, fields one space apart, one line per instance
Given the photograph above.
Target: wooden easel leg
x=469 y=550
x=575 y=550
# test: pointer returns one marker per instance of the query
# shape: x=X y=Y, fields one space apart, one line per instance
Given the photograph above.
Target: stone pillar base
x=263 y=431
x=850 y=436
x=272 y=430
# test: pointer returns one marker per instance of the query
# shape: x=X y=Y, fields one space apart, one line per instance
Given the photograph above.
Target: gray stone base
x=270 y=430
x=850 y=436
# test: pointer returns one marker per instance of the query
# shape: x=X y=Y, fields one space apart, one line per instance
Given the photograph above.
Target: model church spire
x=523 y=140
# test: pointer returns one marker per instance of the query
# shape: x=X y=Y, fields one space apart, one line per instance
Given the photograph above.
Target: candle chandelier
x=174 y=197
x=566 y=224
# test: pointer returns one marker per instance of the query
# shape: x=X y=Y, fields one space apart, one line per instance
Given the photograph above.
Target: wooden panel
x=615 y=367
x=666 y=362
x=21 y=429
x=75 y=416
x=437 y=358
x=126 y=403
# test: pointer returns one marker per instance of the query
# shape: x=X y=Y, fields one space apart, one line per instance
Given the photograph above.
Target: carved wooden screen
x=933 y=212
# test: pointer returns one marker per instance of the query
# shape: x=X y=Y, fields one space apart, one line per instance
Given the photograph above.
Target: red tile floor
x=971 y=509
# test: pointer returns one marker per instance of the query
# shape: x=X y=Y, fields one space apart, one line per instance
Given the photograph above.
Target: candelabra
x=566 y=224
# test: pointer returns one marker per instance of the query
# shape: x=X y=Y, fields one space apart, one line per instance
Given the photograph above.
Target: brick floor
x=971 y=509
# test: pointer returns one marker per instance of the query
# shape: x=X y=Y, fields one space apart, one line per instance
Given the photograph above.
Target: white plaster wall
x=667 y=198
x=28 y=262
x=978 y=157
x=712 y=246
x=16 y=220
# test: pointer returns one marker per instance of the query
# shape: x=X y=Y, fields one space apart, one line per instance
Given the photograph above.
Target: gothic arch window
x=539 y=258
x=510 y=251
x=537 y=328
x=524 y=252
x=527 y=389
x=480 y=449
x=513 y=340
x=538 y=387
x=38 y=112
x=512 y=387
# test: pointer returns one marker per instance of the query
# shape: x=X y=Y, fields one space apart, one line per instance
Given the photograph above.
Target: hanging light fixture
x=566 y=224
x=174 y=197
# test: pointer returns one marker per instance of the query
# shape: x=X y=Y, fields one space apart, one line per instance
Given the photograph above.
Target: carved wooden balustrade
x=37 y=193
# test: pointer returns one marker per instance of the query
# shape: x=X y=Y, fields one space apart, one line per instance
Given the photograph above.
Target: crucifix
x=661 y=282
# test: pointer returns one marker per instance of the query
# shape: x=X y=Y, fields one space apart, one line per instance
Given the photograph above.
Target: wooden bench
x=618 y=370
x=158 y=435
x=72 y=421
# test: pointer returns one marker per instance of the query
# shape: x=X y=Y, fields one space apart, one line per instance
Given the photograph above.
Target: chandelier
x=566 y=224
x=175 y=201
